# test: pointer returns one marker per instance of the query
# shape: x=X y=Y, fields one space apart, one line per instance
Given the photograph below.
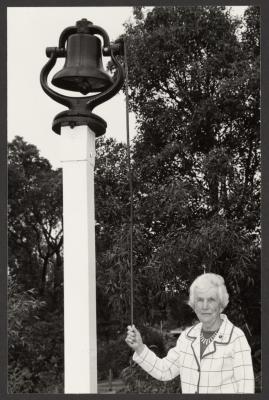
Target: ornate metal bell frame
x=83 y=72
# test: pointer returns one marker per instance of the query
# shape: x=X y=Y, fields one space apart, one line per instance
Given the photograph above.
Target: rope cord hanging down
x=130 y=181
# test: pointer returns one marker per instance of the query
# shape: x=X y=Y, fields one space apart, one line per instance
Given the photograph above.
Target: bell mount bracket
x=80 y=108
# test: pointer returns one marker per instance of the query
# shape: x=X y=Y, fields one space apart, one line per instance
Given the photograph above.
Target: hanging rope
x=130 y=173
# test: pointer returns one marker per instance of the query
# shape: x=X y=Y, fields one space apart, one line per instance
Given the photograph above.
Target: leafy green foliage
x=35 y=218
x=194 y=87
x=35 y=342
x=112 y=354
x=138 y=381
x=35 y=324
x=112 y=219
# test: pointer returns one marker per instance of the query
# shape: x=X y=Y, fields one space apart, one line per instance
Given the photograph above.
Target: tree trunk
x=43 y=277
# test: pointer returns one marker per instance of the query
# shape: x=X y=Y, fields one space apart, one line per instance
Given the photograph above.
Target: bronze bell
x=83 y=70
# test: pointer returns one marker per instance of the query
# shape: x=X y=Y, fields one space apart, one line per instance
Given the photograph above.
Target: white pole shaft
x=80 y=348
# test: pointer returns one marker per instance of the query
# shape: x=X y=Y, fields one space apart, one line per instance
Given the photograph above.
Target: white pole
x=80 y=348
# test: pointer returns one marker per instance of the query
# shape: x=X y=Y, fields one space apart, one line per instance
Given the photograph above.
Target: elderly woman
x=212 y=356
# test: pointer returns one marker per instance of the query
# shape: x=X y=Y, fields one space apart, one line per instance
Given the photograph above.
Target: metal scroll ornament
x=83 y=72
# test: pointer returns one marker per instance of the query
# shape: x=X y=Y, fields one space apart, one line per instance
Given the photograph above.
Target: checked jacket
x=225 y=366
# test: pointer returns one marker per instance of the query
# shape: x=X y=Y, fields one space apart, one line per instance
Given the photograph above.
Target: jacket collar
x=223 y=337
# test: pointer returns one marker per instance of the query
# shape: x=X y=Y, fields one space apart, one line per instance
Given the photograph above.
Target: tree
x=112 y=218
x=35 y=292
x=194 y=87
x=35 y=343
x=35 y=218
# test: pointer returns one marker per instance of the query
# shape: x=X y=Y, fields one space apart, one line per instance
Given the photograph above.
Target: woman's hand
x=134 y=340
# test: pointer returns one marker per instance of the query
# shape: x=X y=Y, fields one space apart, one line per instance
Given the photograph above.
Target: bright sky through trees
x=30 y=110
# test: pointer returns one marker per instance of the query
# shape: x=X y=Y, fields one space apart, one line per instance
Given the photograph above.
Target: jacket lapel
x=223 y=336
x=194 y=335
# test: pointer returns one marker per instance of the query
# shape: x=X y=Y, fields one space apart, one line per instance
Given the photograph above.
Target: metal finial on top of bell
x=83 y=70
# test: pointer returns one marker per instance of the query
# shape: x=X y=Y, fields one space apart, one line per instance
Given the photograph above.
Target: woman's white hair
x=209 y=280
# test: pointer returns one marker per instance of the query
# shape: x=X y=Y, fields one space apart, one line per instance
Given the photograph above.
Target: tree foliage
x=35 y=218
x=194 y=88
x=35 y=343
x=35 y=298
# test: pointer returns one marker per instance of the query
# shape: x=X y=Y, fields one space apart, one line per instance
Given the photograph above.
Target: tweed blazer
x=225 y=366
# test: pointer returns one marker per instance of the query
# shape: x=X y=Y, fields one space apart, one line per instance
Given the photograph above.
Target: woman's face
x=207 y=307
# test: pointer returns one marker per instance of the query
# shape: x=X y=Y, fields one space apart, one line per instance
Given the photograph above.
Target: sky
x=30 y=110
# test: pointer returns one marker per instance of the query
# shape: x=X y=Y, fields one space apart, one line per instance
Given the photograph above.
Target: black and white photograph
x=134 y=199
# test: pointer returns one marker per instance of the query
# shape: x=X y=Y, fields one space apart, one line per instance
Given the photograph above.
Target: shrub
x=137 y=380
x=35 y=344
x=112 y=354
